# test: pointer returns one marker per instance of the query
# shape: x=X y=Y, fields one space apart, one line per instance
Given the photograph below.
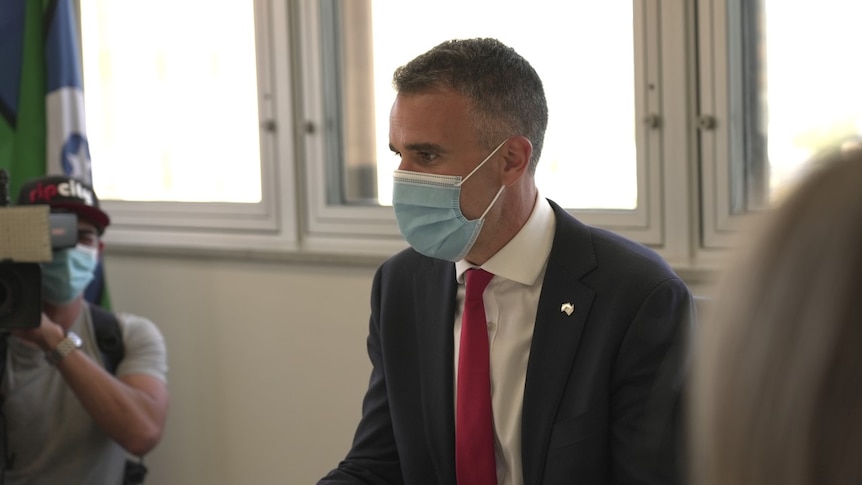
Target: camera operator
x=68 y=418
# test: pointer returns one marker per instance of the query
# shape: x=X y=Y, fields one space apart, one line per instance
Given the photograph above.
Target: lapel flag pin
x=567 y=308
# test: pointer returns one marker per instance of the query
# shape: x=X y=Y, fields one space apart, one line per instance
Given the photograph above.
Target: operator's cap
x=67 y=194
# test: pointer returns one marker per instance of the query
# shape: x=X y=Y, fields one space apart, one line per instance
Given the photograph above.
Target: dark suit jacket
x=601 y=401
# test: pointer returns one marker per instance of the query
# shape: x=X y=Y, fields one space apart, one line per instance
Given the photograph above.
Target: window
x=182 y=126
x=174 y=118
x=813 y=92
x=600 y=76
x=669 y=121
x=590 y=159
x=777 y=87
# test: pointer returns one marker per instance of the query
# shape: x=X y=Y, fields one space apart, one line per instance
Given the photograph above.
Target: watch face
x=72 y=336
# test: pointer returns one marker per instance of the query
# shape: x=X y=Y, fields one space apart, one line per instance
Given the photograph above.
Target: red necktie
x=474 y=425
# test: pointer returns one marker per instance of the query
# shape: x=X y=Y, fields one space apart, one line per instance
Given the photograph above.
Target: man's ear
x=517 y=158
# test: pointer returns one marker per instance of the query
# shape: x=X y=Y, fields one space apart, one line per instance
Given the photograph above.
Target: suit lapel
x=556 y=337
x=434 y=290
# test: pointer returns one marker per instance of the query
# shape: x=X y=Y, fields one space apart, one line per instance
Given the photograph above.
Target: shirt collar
x=534 y=239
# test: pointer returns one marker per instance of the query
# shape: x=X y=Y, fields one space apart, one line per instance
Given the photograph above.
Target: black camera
x=28 y=236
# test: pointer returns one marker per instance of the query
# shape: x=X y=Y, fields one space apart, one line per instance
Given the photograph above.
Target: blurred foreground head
x=777 y=395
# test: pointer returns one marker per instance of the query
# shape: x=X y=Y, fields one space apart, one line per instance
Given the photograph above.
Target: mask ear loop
x=492 y=202
x=482 y=163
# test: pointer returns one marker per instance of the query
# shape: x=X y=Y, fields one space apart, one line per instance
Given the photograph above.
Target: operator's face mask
x=68 y=274
x=428 y=210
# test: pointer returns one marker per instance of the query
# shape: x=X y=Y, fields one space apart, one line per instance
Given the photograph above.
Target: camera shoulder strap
x=4 y=336
x=108 y=336
x=106 y=326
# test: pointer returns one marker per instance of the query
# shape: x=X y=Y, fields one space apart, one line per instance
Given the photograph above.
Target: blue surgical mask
x=68 y=274
x=428 y=210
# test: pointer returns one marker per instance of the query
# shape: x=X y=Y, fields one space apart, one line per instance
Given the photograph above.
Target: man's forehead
x=429 y=120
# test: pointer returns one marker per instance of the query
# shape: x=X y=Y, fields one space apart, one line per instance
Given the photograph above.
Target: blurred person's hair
x=777 y=394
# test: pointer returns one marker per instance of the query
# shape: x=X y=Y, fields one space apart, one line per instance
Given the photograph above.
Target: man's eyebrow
x=422 y=147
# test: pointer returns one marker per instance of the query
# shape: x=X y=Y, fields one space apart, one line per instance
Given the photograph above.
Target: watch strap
x=64 y=348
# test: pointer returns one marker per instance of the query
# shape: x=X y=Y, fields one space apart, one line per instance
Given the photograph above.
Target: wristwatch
x=64 y=348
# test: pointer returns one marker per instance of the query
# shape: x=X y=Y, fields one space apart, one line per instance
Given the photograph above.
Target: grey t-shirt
x=52 y=436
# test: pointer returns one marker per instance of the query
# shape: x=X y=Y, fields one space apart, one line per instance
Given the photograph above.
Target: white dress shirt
x=511 y=299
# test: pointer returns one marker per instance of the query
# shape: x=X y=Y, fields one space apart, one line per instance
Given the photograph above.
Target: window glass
x=172 y=103
x=811 y=82
x=583 y=51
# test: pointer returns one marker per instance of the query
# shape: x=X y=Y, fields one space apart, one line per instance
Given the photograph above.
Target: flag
x=42 y=123
x=22 y=92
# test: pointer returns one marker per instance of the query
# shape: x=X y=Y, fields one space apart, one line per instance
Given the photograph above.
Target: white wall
x=267 y=364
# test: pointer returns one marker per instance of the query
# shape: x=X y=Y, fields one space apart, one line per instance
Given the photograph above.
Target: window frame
x=269 y=224
x=645 y=223
x=721 y=122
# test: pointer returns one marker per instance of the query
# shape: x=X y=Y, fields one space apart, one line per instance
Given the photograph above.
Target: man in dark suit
x=586 y=330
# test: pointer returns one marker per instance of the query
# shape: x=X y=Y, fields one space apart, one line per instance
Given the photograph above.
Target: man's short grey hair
x=505 y=91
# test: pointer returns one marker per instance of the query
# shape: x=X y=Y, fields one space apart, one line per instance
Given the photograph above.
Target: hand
x=47 y=335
